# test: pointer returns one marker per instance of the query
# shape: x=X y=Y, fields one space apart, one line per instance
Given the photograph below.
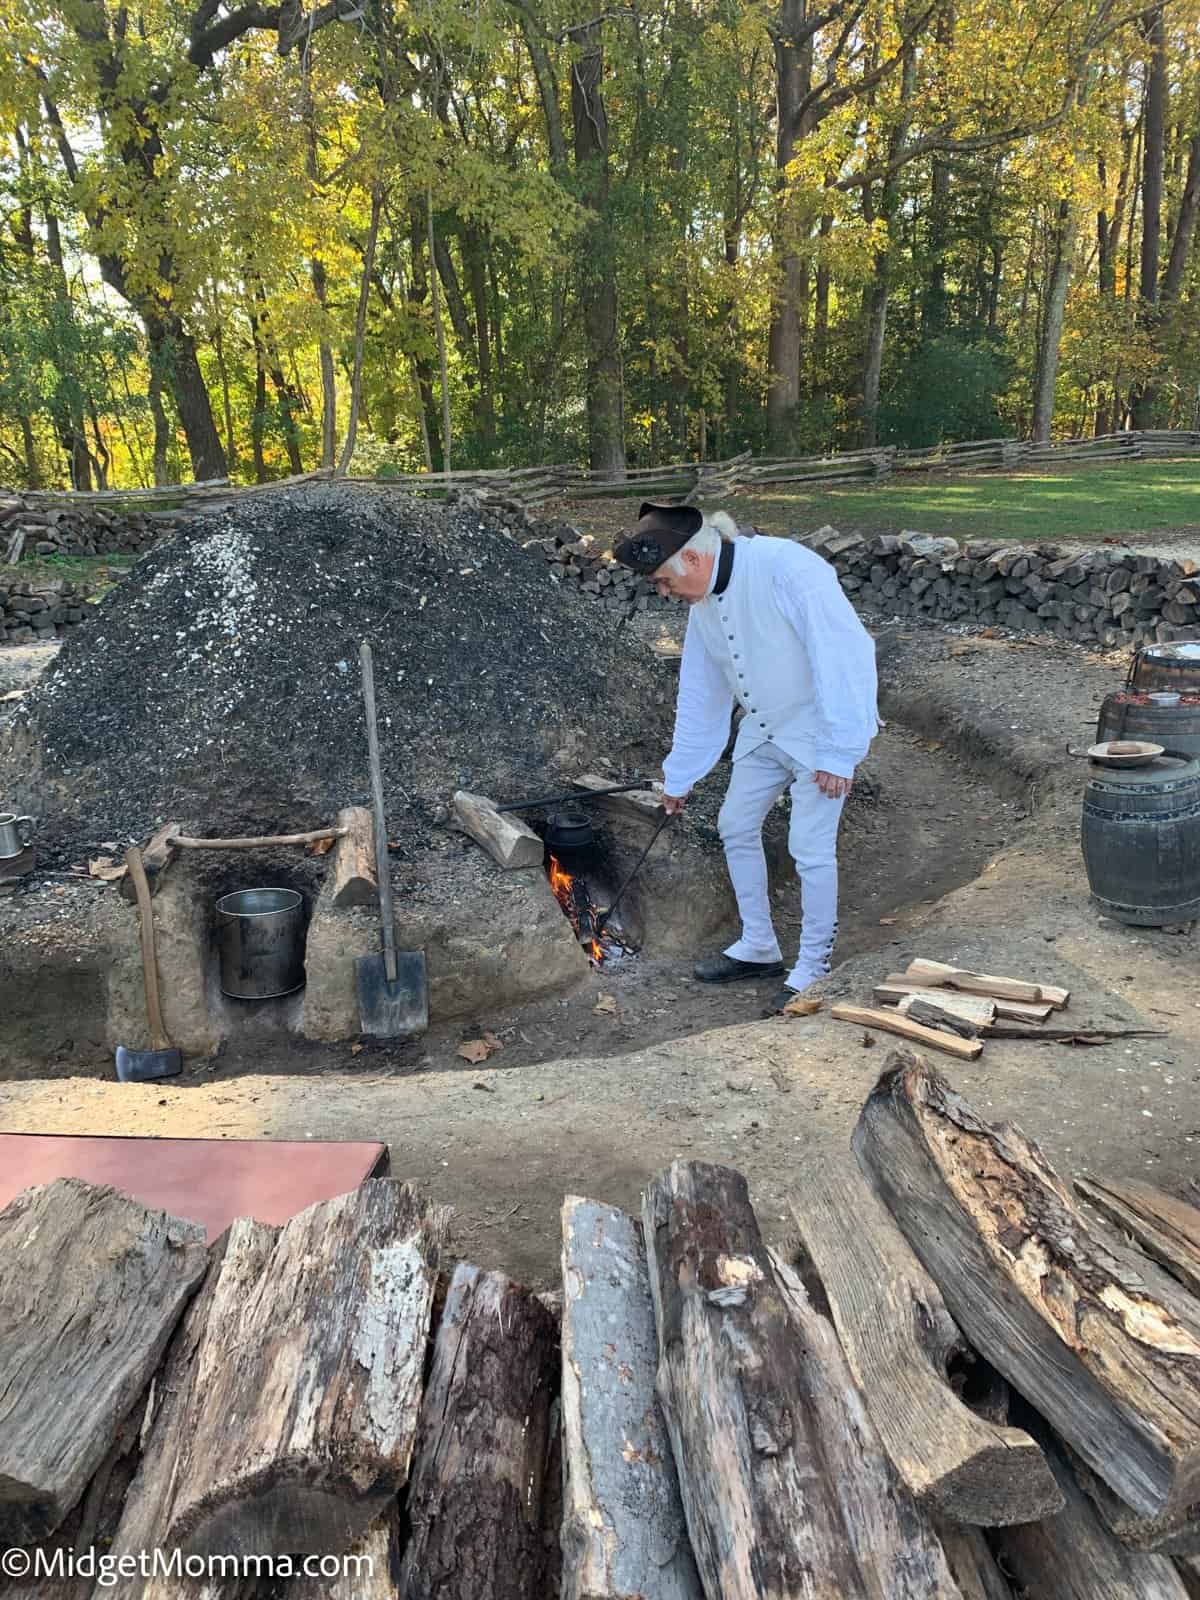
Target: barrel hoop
x=1181 y=911
x=1092 y=810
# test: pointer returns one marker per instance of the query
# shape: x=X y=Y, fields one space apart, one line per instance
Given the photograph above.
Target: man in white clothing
x=770 y=630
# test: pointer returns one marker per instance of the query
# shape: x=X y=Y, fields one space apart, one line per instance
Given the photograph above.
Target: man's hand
x=673 y=804
x=830 y=784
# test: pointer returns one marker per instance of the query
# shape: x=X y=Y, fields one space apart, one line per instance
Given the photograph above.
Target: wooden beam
x=255 y=842
x=1041 y=1296
x=327 y=1396
x=896 y=986
x=92 y=1287
x=623 y=1530
x=893 y=1022
x=936 y=974
x=355 y=879
x=475 y=1495
x=509 y=841
x=900 y=1344
x=1168 y=1230
x=645 y=805
x=787 y=1491
x=1072 y=1556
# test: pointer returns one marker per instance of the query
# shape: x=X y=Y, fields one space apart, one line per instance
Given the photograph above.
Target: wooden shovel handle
x=137 y=872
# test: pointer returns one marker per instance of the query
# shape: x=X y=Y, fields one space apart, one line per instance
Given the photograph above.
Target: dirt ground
x=964 y=848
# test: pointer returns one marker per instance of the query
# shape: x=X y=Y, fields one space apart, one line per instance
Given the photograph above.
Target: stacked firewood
x=582 y=561
x=30 y=528
x=952 y=1385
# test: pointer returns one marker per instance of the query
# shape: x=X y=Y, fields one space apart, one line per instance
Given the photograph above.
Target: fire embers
x=573 y=895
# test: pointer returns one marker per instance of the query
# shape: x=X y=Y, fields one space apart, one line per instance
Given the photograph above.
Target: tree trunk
x=418 y=294
x=33 y=477
x=598 y=268
x=793 y=79
x=439 y=333
x=286 y=397
x=320 y=283
x=474 y=257
x=68 y=412
x=877 y=297
x=360 y=329
x=226 y=400
x=820 y=343
x=158 y=411
x=258 y=418
x=1154 y=129
x=1051 y=326
x=191 y=398
x=1185 y=228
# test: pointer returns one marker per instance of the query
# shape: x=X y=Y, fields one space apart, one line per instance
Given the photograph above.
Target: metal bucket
x=260 y=933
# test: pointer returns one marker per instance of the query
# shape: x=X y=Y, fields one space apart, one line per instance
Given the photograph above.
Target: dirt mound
x=219 y=683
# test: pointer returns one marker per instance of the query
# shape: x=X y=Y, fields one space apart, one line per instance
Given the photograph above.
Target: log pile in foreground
x=953 y=1385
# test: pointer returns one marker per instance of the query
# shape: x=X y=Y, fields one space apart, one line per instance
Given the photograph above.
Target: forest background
x=251 y=239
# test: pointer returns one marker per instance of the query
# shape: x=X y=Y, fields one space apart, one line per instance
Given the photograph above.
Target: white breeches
x=758 y=780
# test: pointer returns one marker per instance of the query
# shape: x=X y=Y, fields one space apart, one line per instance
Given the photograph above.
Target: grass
x=1143 y=499
x=99 y=572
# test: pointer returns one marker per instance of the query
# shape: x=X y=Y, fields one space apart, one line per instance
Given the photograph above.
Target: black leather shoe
x=728 y=969
x=780 y=1000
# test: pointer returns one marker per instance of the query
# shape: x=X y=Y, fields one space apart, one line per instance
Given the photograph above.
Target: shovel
x=393 y=989
x=162 y=1060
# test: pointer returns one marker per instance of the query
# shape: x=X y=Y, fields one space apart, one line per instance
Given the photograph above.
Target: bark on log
x=896 y=986
x=931 y=1014
x=1037 y=1293
x=787 y=1492
x=623 y=1530
x=1188 y=1568
x=900 y=1344
x=509 y=841
x=1168 y=1230
x=888 y=1021
x=475 y=1497
x=371 y=1571
x=70 y=1379
x=972 y=1564
x=977 y=1010
x=170 y=1406
x=1072 y=1556
x=318 y=1352
x=1176 y=1533
x=355 y=881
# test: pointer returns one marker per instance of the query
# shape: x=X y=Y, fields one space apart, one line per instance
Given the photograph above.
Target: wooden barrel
x=1173 y=727
x=1167 y=666
x=1141 y=841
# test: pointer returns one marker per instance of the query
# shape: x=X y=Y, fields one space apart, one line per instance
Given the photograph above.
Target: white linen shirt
x=785 y=643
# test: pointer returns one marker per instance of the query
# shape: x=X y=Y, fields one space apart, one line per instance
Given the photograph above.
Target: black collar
x=724 y=567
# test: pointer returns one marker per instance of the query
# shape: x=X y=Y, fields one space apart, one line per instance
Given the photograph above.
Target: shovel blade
x=393 y=1010
x=144 y=1066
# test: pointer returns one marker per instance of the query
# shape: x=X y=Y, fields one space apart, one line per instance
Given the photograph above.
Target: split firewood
x=892 y=1022
x=1168 y=1230
x=933 y=1014
x=644 y=804
x=900 y=1343
x=69 y=1380
x=975 y=1009
x=1072 y=1555
x=1035 y=1290
x=972 y=1564
x=787 y=1490
x=896 y=986
x=936 y=974
x=1172 y=1533
x=255 y=841
x=623 y=1531
x=326 y=1398
x=355 y=878
x=475 y=1494
x=511 y=843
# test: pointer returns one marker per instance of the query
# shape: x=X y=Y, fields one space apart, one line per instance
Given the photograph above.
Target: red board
x=210 y=1181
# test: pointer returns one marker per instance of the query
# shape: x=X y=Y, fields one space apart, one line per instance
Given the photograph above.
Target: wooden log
x=511 y=843
x=972 y=1564
x=787 y=1492
x=1038 y=1294
x=1168 y=1230
x=1172 y=1533
x=936 y=974
x=370 y=1572
x=896 y=986
x=355 y=881
x=157 y=855
x=900 y=1344
x=931 y=1014
x=643 y=804
x=892 y=1022
x=1072 y=1555
x=475 y=1496
x=71 y=1377
x=623 y=1531
x=326 y=1396
x=975 y=1009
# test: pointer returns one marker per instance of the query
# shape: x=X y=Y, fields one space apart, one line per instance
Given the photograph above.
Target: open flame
x=571 y=894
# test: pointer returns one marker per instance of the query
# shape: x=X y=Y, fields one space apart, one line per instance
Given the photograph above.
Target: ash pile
x=220 y=682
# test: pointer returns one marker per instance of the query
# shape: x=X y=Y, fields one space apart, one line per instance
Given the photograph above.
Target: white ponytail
x=715 y=531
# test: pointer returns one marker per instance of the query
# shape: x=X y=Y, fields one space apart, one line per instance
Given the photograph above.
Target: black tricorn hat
x=662 y=532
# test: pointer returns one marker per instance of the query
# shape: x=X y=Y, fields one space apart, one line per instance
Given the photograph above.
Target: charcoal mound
x=219 y=683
